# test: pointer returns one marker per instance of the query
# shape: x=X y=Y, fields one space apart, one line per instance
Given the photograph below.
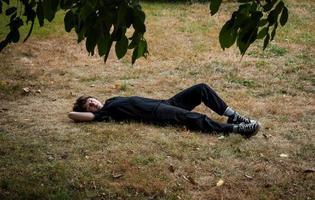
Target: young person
x=174 y=111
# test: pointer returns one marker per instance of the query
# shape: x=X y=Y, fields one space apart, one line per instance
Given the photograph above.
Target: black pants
x=178 y=110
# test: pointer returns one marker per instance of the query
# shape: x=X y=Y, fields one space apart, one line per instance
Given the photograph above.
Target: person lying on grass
x=174 y=111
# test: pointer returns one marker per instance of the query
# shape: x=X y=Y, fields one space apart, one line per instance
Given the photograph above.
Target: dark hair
x=79 y=105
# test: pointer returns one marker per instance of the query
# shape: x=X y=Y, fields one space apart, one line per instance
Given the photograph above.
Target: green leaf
x=92 y=3
x=242 y=46
x=30 y=14
x=269 y=4
x=134 y=55
x=129 y=17
x=6 y=1
x=49 y=9
x=274 y=14
x=86 y=11
x=10 y=11
x=140 y=50
x=69 y=20
x=248 y=34
x=266 y=41
x=13 y=16
x=122 y=12
x=284 y=16
x=103 y=44
x=262 y=33
x=135 y=39
x=0 y=7
x=16 y=23
x=279 y=7
x=119 y=33
x=121 y=47
x=40 y=14
x=272 y=17
x=108 y=48
x=3 y=44
x=227 y=35
x=14 y=35
x=143 y=48
x=253 y=7
x=273 y=33
x=91 y=40
x=263 y=22
x=214 y=6
x=81 y=29
x=54 y=5
x=138 y=20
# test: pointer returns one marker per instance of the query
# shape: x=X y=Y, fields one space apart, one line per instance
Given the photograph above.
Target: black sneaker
x=238 y=119
x=248 y=130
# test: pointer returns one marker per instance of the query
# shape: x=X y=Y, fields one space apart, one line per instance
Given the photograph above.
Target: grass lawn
x=44 y=155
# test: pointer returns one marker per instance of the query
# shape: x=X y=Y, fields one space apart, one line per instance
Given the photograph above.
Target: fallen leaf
x=190 y=179
x=117 y=175
x=26 y=90
x=283 y=155
x=220 y=182
x=38 y=91
x=267 y=136
x=247 y=176
x=184 y=177
x=309 y=170
x=221 y=137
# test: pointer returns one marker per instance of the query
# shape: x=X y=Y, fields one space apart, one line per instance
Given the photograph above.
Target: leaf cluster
x=254 y=19
x=104 y=23
x=101 y=23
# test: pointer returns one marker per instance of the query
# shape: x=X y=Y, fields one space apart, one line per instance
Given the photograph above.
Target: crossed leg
x=178 y=109
x=191 y=97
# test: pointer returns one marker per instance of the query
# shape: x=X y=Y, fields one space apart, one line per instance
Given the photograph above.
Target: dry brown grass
x=45 y=155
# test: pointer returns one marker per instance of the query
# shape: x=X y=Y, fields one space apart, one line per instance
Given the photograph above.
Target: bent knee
x=203 y=85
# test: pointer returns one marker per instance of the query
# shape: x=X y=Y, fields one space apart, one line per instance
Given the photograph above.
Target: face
x=93 y=105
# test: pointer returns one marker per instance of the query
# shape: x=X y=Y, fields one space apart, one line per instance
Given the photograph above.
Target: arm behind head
x=81 y=116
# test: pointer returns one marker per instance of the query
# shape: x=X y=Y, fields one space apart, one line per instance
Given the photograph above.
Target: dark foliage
x=103 y=22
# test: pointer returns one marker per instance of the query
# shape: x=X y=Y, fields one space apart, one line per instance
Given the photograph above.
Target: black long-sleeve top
x=128 y=108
